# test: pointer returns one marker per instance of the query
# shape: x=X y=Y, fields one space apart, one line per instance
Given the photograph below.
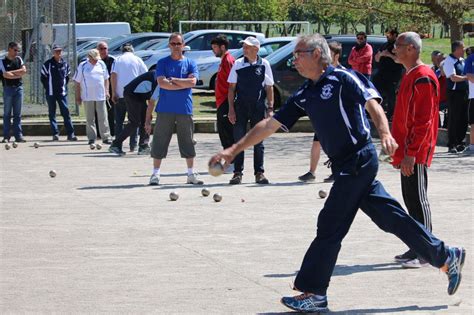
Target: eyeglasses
x=360 y=38
x=175 y=44
x=400 y=45
x=297 y=53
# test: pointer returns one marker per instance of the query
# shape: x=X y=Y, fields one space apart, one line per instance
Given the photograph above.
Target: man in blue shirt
x=335 y=99
x=55 y=77
x=176 y=75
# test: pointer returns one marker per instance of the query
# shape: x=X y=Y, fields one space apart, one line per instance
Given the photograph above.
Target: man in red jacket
x=360 y=57
x=415 y=128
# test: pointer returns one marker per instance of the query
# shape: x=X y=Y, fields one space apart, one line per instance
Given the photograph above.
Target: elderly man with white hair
x=92 y=88
x=335 y=101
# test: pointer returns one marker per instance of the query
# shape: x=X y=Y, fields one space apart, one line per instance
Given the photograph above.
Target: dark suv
x=287 y=80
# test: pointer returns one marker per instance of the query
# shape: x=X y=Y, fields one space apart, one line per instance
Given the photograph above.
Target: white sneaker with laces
x=414 y=264
x=193 y=179
x=154 y=180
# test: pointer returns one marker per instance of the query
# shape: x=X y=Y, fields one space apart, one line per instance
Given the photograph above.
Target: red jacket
x=415 y=120
x=222 y=86
x=361 y=60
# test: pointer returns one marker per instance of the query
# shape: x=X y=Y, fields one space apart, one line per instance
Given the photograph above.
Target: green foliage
x=349 y=16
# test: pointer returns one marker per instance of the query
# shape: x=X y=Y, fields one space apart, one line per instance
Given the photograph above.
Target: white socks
x=156 y=171
x=190 y=171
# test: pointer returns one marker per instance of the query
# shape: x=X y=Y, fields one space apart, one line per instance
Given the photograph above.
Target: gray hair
x=127 y=47
x=101 y=43
x=316 y=41
x=412 y=38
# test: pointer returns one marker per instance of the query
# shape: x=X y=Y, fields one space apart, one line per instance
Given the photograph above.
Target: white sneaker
x=154 y=180
x=415 y=263
x=193 y=179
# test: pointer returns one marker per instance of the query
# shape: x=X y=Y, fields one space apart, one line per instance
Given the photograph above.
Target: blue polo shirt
x=335 y=104
x=178 y=101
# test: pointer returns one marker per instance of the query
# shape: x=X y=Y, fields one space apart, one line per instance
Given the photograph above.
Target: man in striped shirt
x=55 y=77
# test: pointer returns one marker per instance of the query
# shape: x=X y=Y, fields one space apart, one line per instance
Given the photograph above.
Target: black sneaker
x=452 y=150
x=261 y=179
x=144 y=150
x=329 y=179
x=407 y=256
x=5 y=140
x=71 y=138
x=308 y=177
x=133 y=148
x=116 y=150
x=20 y=139
x=236 y=179
x=461 y=148
x=107 y=141
x=91 y=142
x=55 y=138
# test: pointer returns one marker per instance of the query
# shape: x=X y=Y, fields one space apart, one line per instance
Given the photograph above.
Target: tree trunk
x=456 y=30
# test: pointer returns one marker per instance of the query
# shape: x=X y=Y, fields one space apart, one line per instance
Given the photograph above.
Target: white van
x=111 y=29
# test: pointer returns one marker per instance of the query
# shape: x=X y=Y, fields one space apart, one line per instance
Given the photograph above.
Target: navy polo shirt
x=335 y=104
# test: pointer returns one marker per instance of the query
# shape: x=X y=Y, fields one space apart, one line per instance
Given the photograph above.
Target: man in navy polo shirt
x=250 y=82
x=453 y=68
x=334 y=99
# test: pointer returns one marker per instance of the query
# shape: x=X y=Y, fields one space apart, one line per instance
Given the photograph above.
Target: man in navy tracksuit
x=334 y=100
x=250 y=82
x=55 y=77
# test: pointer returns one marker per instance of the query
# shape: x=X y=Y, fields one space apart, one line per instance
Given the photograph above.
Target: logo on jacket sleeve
x=326 y=92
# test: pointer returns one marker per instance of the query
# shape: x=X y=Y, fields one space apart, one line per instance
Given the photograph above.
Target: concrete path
x=97 y=239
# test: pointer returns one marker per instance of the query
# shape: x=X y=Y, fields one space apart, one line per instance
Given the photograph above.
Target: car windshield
x=281 y=53
x=116 y=40
x=164 y=44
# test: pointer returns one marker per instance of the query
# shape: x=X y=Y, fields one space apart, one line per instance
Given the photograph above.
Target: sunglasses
x=175 y=44
x=103 y=48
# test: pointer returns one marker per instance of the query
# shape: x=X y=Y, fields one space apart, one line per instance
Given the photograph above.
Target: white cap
x=251 y=41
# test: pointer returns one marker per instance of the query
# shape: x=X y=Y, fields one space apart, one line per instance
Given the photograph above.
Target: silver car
x=208 y=67
x=198 y=45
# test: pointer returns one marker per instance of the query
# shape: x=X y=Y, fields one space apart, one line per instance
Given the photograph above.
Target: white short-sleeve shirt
x=240 y=63
x=127 y=67
x=91 y=78
x=448 y=66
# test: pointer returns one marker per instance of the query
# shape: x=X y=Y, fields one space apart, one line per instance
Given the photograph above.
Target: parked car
x=135 y=39
x=82 y=40
x=198 y=45
x=150 y=45
x=208 y=66
x=287 y=80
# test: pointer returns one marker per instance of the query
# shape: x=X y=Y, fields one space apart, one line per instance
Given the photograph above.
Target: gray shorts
x=164 y=127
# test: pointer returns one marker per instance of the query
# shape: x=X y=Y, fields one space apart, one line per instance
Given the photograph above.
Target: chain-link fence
x=30 y=23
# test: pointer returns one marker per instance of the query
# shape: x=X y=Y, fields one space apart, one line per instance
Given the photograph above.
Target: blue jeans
x=12 y=100
x=62 y=102
x=120 y=110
